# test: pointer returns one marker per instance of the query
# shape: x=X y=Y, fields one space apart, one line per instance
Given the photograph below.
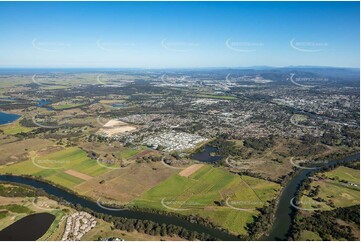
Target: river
x=131 y=214
x=284 y=210
x=279 y=230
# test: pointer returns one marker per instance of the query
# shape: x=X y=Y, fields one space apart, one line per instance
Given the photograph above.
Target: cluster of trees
x=351 y=136
x=260 y=144
x=347 y=136
x=27 y=123
x=282 y=180
x=326 y=224
x=225 y=147
x=314 y=192
x=149 y=227
x=353 y=165
x=330 y=138
x=306 y=148
x=263 y=222
x=97 y=138
x=309 y=139
x=337 y=164
x=17 y=191
x=150 y=158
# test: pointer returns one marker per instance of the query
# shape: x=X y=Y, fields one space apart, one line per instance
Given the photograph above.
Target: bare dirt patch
x=50 y=149
x=19 y=150
x=114 y=123
x=78 y=175
x=115 y=131
x=124 y=185
x=190 y=170
x=114 y=127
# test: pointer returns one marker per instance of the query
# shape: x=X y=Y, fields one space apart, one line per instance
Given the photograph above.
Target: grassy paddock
x=198 y=193
x=14 y=128
x=333 y=190
x=53 y=166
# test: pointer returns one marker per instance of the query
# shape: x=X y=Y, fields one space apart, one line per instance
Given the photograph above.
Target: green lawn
x=127 y=153
x=198 y=194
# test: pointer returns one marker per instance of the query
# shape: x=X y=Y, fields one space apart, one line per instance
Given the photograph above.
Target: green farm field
x=66 y=106
x=345 y=173
x=53 y=167
x=332 y=190
x=127 y=153
x=198 y=193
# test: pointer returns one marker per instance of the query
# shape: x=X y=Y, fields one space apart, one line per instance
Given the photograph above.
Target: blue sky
x=179 y=34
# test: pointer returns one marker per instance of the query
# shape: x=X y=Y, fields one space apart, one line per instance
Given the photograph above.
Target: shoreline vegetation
x=294 y=228
x=183 y=233
x=259 y=228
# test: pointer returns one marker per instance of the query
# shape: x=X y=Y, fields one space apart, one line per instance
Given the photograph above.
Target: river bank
x=284 y=210
x=123 y=213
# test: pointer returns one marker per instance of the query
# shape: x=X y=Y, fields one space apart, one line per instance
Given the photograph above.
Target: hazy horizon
x=187 y=35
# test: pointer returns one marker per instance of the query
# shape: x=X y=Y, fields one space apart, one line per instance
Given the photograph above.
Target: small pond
x=29 y=228
x=206 y=155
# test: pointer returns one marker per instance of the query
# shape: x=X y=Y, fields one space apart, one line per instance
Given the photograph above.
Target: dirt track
x=78 y=175
x=190 y=170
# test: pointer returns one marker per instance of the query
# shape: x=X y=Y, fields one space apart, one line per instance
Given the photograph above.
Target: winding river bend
x=279 y=230
x=284 y=210
x=131 y=214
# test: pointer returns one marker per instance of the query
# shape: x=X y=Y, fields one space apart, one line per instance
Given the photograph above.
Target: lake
x=6 y=118
x=206 y=155
x=29 y=228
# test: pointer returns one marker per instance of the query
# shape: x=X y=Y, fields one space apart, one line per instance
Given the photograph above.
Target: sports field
x=200 y=193
x=55 y=167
